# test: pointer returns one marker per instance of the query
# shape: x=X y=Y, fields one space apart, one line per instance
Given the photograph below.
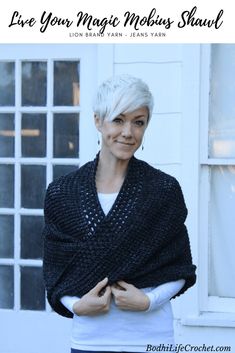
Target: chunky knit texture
x=142 y=240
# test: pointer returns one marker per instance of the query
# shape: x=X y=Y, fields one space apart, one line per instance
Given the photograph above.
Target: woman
x=116 y=249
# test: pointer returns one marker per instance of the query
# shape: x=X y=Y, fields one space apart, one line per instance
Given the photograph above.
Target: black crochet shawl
x=142 y=240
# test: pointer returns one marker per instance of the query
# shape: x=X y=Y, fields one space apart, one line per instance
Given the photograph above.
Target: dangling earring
x=98 y=138
x=142 y=147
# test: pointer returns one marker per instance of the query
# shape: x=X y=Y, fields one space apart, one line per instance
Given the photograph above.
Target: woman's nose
x=126 y=130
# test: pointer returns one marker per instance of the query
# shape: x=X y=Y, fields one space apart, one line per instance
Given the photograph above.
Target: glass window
x=33 y=185
x=7 y=83
x=6 y=236
x=23 y=178
x=59 y=170
x=222 y=225
x=222 y=177
x=32 y=288
x=222 y=98
x=7 y=287
x=7 y=135
x=66 y=135
x=33 y=135
x=34 y=83
x=66 y=83
x=31 y=237
x=7 y=185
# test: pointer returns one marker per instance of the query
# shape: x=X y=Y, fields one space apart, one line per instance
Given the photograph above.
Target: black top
x=142 y=240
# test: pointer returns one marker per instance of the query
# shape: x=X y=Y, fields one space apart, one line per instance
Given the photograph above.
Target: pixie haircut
x=122 y=94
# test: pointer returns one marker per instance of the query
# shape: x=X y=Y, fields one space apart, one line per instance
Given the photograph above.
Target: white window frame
x=208 y=303
x=209 y=310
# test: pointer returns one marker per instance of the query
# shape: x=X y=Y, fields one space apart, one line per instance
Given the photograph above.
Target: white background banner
x=103 y=21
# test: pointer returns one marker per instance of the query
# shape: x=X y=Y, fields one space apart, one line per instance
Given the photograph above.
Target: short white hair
x=122 y=94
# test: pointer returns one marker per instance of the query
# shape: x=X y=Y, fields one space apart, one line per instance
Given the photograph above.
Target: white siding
x=161 y=67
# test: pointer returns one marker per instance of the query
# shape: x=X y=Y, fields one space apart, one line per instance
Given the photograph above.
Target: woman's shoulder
x=162 y=185
x=67 y=181
x=158 y=176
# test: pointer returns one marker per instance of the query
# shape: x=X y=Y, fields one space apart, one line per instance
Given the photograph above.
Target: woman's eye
x=117 y=120
x=139 y=122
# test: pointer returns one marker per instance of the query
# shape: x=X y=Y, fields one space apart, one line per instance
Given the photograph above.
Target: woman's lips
x=125 y=143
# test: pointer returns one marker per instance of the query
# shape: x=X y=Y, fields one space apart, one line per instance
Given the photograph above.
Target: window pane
x=222 y=225
x=6 y=236
x=66 y=135
x=7 y=135
x=66 y=83
x=33 y=135
x=6 y=185
x=59 y=170
x=7 y=83
x=34 y=83
x=32 y=289
x=33 y=184
x=7 y=287
x=222 y=98
x=31 y=237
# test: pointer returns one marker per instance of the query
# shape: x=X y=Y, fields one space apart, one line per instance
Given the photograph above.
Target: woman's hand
x=128 y=297
x=96 y=301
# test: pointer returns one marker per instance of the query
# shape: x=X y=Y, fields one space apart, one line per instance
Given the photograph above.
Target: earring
x=142 y=147
x=98 y=138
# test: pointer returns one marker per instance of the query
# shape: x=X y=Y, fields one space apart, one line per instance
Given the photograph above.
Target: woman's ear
x=98 y=122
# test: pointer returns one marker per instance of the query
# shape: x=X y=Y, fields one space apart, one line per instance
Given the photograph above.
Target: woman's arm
x=69 y=301
x=128 y=297
x=161 y=294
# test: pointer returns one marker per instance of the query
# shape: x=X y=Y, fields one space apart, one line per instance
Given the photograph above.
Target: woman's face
x=123 y=135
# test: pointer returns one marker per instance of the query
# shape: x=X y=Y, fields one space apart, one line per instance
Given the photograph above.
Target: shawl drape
x=142 y=240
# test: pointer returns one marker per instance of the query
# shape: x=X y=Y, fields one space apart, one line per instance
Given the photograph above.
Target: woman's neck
x=110 y=173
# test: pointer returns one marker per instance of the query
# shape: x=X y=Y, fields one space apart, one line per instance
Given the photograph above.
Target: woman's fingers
x=100 y=285
x=107 y=292
x=130 y=297
x=93 y=303
x=124 y=284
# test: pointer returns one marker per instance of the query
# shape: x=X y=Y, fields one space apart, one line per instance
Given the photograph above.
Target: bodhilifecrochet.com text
x=187 y=348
